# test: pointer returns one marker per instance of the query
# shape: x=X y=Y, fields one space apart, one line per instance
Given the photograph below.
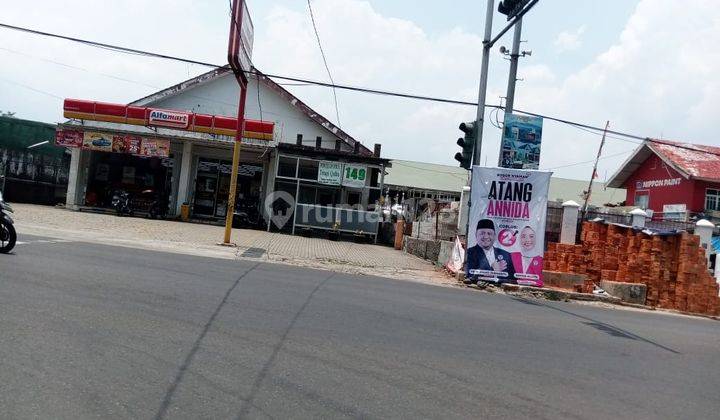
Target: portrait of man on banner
x=507 y=226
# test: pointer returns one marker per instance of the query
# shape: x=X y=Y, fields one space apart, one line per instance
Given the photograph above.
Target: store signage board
x=354 y=175
x=242 y=34
x=173 y=119
x=330 y=173
x=521 y=140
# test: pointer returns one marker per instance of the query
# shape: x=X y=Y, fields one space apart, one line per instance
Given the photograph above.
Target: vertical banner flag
x=507 y=225
x=520 y=145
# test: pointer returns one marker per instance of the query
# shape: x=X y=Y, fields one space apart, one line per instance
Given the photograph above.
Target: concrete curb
x=555 y=294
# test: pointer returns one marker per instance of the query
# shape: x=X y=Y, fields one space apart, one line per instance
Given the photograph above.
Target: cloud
x=569 y=40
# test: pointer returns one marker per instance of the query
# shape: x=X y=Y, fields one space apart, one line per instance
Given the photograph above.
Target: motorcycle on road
x=8 y=236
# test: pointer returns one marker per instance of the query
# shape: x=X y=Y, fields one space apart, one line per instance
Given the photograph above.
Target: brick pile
x=674 y=268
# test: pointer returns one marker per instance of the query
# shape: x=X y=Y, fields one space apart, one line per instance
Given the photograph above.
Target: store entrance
x=146 y=179
x=212 y=186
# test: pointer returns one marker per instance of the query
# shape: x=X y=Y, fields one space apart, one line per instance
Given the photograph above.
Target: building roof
x=18 y=134
x=430 y=176
x=269 y=83
x=693 y=161
x=425 y=176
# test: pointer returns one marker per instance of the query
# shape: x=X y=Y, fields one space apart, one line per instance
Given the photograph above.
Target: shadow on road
x=598 y=325
x=193 y=350
x=249 y=401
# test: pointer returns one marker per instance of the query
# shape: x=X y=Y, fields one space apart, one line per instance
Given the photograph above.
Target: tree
x=7 y=114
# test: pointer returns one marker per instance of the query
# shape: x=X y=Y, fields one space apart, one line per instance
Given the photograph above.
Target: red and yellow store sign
x=202 y=123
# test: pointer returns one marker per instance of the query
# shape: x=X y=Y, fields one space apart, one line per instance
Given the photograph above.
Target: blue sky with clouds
x=648 y=66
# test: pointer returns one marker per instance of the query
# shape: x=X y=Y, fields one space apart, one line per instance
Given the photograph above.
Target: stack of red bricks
x=674 y=268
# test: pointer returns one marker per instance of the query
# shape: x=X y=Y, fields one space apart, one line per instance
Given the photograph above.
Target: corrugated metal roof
x=691 y=160
x=425 y=176
x=430 y=176
x=696 y=160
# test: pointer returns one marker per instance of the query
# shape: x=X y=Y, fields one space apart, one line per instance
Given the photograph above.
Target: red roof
x=696 y=160
x=693 y=161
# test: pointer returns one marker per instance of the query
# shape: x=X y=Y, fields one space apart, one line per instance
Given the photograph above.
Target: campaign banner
x=520 y=145
x=507 y=225
x=330 y=173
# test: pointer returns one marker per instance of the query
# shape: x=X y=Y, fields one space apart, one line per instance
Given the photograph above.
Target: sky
x=647 y=66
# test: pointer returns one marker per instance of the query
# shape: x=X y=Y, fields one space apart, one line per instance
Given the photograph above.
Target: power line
x=589 y=161
x=32 y=89
x=133 y=51
x=322 y=52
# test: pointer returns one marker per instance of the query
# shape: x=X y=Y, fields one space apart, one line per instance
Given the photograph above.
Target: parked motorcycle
x=121 y=203
x=158 y=205
x=8 y=236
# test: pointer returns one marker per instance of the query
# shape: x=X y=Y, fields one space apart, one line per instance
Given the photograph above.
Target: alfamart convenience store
x=177 y=143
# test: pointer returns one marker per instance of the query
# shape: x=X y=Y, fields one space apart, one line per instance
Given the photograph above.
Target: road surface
x=92 y=331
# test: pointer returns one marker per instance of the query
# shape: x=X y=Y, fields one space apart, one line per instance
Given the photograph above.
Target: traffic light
x=511 y=7
x=467 y=143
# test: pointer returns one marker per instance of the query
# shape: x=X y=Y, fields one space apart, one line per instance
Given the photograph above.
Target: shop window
x=642 y=199
x=307 y=194
x=287 y=166
x=712 y=200
x=353 y=198
x=374 y=177
x=308 y=169
x=328 y=196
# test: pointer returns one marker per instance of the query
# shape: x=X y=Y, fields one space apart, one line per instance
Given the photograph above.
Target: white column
x=568 y=229
x=638 y=218
x=464 y=211
x=73 y=179
x=704 y=229
x=184 y=181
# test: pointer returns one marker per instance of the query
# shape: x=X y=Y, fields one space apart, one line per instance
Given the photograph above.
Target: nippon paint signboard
x=520 y=145
x=507 y=225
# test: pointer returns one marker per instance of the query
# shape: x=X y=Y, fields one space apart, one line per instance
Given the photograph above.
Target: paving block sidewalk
x=201 y=239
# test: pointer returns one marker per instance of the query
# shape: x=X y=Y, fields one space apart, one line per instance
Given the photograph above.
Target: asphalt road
x=93 y=331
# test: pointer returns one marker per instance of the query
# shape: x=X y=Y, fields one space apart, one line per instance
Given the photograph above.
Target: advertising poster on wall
x=126 y=144
x=330 y=173
x=99 y=142
x=520 y=145
x=507 y=225
x=354 y=175
x=68 y=138
x=155 y=148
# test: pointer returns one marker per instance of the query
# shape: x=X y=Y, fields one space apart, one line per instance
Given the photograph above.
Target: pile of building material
x=673 y=267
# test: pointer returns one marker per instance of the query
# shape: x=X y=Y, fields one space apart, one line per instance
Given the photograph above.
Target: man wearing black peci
x=485 y=261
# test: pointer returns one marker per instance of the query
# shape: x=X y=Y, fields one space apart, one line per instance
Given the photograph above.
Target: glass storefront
x=212 y=186
x=144 y=178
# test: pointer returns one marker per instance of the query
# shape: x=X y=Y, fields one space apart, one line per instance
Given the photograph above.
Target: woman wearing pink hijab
x=528 y=264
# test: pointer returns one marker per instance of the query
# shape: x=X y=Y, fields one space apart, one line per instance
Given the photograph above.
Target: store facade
x=163 y=147
x=672 y=181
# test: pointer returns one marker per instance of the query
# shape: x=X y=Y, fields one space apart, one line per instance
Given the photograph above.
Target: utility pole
x=483 y=81
x=512 y=77
x=594 y=172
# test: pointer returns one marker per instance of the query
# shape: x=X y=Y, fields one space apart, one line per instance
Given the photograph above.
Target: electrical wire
x=32 y=89
x=589 y=161
x=133 y=51
x=327 y=68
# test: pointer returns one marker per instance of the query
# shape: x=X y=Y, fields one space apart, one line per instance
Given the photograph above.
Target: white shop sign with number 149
x=354 y=175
